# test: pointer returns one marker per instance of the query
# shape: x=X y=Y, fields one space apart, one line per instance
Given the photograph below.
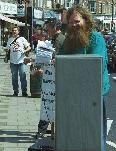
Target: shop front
x=106 y=21
x=110 y=23
x=6 y=23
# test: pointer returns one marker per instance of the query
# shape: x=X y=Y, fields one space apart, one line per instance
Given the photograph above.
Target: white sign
x=58 y=16
x=49 y=14
x=38 y=13
x=8 y=8
x=21 y=10
x=107 y=17
x=49 y=4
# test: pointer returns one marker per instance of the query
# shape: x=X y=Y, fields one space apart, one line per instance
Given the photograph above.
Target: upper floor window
x=103 y=8
x=68 y=5
x=100 y=8
x=108 y=8
x=115 y=9
x=92 y=6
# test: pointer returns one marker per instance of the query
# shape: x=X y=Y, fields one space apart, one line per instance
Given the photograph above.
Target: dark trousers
x=104 y=123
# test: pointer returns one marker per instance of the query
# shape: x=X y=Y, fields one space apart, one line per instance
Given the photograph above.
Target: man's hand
x=53 y=61
x=28 y=60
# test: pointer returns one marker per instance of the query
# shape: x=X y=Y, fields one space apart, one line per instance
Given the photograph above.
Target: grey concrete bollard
x=79 y=107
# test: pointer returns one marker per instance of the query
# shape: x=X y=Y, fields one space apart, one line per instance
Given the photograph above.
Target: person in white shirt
x=18 y=46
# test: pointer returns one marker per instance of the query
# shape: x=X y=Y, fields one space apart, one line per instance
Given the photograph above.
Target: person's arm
x=26 y=44
x=28 y=48
x=7 y=48
x=98 y=46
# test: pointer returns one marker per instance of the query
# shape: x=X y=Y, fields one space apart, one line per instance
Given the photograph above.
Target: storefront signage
x=49 y=14
x=8 y=8
x=21 y=10
x=107 y=17
x=38 y=13
x=58 y=16
x=99 y=17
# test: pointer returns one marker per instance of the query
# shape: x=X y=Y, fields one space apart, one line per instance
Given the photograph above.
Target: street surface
x=19 y=116
x=111 y=115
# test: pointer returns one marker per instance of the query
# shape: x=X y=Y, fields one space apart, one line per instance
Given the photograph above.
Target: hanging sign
x=8 y=8
x=21 y=10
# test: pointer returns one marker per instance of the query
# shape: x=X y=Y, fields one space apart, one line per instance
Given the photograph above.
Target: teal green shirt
x=97 y=46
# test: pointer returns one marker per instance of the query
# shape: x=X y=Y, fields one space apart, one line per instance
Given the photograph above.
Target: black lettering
x=6 y=7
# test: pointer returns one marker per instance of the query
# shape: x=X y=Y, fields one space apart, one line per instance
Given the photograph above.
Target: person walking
x=81 y=38
x=18 y=46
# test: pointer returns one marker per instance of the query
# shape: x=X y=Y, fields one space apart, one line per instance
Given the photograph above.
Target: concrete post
x=79 y=108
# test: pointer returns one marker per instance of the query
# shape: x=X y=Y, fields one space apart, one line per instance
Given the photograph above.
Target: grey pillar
x=79 y=107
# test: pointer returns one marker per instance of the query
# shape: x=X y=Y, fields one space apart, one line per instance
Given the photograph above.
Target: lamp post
x=52 y=4
x=25 y=13
x=26 y=27
x=112 y=15
x=64 y=3
x=112 y=21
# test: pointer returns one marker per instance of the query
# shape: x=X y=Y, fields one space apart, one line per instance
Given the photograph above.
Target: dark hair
x=16 y=27
x=44 y=34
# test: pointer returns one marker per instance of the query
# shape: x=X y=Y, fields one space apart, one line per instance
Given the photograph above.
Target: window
x=92 y=7
x=103 y=8
x=100 y=8
x=68 y=5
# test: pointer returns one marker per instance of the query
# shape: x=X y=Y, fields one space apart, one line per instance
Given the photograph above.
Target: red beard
x=77 y=37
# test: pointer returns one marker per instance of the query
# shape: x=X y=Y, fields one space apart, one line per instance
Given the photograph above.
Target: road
x=111 y=115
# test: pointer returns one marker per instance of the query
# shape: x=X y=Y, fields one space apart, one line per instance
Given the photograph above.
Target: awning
x=13 y=21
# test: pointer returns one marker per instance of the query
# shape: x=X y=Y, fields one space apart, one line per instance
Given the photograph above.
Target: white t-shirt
x=17 y=49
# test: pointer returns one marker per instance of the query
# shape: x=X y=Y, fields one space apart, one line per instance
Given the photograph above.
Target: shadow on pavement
x=8 y=95
x=17 y=137
x=14 y=96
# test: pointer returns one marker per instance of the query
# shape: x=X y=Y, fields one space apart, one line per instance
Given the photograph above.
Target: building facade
x=104 y=11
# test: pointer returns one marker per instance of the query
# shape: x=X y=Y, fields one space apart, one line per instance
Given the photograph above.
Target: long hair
x=85 y=15
x=79 y=37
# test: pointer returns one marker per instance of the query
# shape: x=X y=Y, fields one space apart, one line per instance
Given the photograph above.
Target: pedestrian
x=37 y=36
x=81 y=38
x=48 y=84
x=18 y=46
x=59 y=37
x=47 y=69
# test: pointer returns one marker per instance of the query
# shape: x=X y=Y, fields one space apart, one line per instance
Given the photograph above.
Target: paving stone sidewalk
x=19 y=116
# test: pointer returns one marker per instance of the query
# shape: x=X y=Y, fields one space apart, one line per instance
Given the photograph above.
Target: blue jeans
x=15 y=69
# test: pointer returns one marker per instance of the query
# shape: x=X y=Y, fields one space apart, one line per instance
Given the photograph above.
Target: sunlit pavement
x=19 y=116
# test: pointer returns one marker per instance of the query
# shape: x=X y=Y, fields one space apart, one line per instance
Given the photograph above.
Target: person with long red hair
x=82 y=38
